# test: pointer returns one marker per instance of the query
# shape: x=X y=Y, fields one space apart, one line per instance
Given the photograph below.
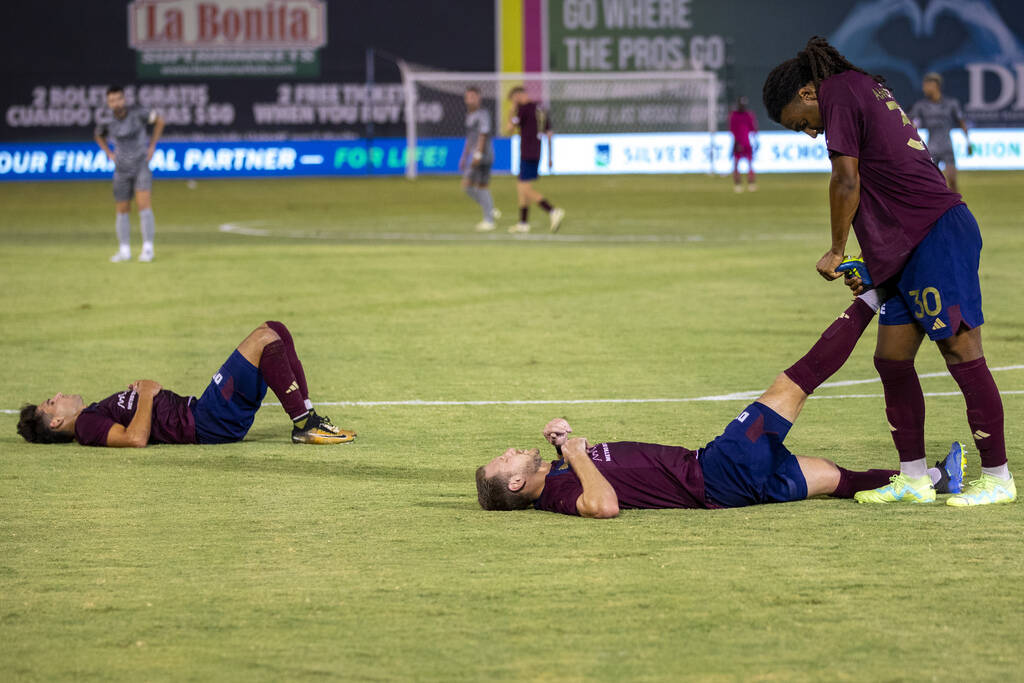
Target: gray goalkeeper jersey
x=479 y=123
x=939 y=118
x=129 y=137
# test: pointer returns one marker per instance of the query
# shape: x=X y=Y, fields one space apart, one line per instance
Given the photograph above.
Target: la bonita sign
x=211 y=24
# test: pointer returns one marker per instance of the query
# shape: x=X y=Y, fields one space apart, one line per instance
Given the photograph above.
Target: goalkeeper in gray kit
x=938 y=114
x=133 y=149
x=477 y=159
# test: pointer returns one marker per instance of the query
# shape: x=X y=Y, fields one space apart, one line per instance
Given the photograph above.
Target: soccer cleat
x=519 y=228
x=952 y=469
x=557 y=216
x=495 y=214
x=752 y=187
x=146 y=255
x=484 y=226
x=738 y=189
x=855 y=267
x=900 y=489
x=121 y=256
x=987 y=490
x=320 y=430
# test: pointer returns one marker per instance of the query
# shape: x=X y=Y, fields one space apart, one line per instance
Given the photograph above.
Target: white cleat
x=485 y=226
x=120 y=256
x=146 y=255
x=519 y=229
x=752 y=187
x=495 y=214
x=557 y=216
x=738 y=189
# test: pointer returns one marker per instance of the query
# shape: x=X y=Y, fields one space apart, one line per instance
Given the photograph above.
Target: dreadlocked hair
x=816 y=62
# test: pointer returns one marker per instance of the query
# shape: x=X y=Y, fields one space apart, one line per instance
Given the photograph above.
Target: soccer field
x=264 y=560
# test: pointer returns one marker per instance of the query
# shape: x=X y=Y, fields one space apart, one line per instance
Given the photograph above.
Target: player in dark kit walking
x=747 y=465
x=938 y=114
x=530 y=119
x=918 y=239
x=147 y=413
x=132 y=177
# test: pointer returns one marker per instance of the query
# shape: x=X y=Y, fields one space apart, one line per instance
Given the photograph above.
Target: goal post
x=578 y=103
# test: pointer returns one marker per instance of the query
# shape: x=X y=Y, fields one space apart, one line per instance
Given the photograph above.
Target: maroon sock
x=832 y=350
x=524 y=211
x=850 y=482
x=984 y=409
x=546 y=205
x=293 y=358
x=277 y=372
x=904 y=406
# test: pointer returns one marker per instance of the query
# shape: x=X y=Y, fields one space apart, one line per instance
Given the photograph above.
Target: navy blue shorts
x=939 y=287
x=528 y=169
x=226 y=410
x=748 y=465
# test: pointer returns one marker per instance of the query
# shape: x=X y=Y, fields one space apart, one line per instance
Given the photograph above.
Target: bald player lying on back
x=747 y=465
x=147 y=413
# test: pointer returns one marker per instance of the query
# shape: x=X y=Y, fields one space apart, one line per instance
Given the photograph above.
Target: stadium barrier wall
x=777 y=152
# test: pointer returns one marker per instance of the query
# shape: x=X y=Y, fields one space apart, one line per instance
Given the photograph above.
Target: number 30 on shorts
x=926 y=302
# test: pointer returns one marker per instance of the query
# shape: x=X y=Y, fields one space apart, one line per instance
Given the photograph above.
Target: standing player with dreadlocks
x=919 y=239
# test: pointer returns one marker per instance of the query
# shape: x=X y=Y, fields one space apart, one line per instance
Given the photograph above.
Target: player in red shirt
x=147 y=413
x=919 y=241
x=743 y=125
x=747 y=465
x=530 y=119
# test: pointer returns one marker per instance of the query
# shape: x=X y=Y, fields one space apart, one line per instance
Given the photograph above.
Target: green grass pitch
x=371 y=561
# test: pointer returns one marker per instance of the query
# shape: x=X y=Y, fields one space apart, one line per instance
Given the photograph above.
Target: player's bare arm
x=158 y=131
x=843 y=199
x=101 y=140
x=963 y=127
x=598 y=499
x=136 y=434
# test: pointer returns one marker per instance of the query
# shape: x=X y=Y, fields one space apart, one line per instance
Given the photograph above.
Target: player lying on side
x=747 y=465
x=147 y=413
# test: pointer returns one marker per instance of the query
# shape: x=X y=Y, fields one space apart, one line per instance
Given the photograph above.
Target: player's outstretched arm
x=598 y=499
x=843 y=199
x=136 y=434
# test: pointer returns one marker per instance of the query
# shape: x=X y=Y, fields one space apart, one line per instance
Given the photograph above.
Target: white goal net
x=578 y=104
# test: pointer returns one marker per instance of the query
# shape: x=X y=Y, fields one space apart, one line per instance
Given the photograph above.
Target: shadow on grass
x=275 y=465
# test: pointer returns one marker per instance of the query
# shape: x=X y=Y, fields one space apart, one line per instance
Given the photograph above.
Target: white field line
x=251 y=229
x=735 y=396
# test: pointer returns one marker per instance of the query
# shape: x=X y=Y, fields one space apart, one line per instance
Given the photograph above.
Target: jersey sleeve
x=101 y=131
x=91 y=429
x=958 y=113
x=842 y=128
x=485 y=122
x=561 y=491
x=915 y=112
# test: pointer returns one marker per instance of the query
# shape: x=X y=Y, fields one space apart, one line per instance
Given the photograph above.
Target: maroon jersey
x=172 y=418
x=644 y=475
x=531 y=120
x=902 y=193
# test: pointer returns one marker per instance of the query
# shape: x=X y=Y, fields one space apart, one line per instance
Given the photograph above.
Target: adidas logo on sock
x=981 y=435
x=938 y=324
x=294 y=386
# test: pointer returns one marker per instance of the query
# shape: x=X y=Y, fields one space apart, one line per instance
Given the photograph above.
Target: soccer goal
x=579 y=104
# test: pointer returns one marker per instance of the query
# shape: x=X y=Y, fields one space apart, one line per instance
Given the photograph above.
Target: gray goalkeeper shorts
x=479 y=174
x=126 y=184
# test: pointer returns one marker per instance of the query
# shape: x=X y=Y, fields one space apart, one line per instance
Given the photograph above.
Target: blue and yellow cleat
x=855 y=267
x=987 y=490
x=900 y=489
x=952 y=469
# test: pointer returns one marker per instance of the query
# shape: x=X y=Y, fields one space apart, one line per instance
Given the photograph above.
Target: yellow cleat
x=987 y=490
x=900 y=489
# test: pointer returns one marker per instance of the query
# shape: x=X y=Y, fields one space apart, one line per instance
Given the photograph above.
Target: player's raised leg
x=270 y=348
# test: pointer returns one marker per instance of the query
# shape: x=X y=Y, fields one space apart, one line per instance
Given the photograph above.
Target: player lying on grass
x=747 y=465
x=147 y=413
